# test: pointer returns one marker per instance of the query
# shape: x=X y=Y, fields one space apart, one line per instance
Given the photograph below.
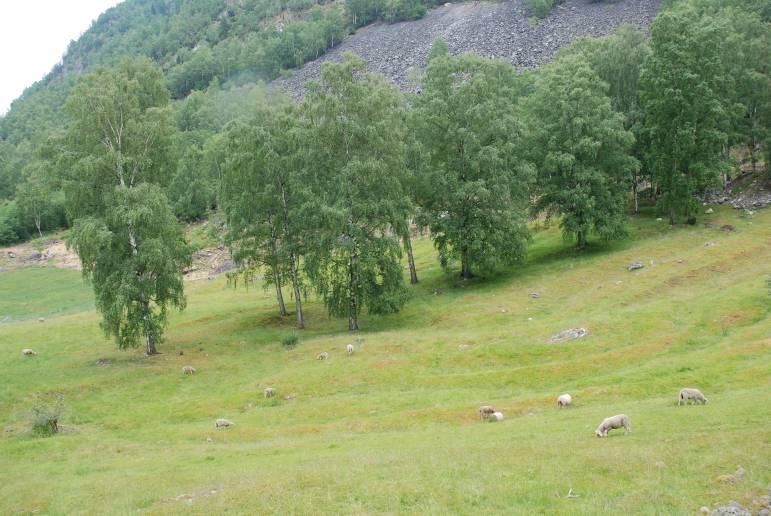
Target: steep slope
x=501 y=29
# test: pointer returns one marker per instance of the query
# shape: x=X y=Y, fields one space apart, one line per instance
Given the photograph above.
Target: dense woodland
x=320 y=195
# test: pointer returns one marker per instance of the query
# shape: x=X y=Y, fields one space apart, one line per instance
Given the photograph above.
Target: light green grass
x=394 y=429
x=39 y=292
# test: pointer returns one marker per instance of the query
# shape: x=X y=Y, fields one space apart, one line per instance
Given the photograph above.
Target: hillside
x=493 y=29
x=394 y=428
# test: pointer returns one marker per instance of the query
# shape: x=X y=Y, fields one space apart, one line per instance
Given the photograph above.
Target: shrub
x=290 y=340
x=540 y=8
x=45 y=414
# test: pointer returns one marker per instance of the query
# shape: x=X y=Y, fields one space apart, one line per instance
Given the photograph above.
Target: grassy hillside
x=394 y=428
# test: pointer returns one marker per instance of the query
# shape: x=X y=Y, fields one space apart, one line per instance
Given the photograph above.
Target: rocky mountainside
x=502 y=29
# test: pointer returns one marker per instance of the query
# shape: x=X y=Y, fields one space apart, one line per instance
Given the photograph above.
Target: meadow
x=394 y=428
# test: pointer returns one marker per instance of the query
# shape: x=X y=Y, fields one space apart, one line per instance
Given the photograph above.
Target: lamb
x=223 y=423
x=322 y=356
x=188 y=369
x=688 y=394
x=564 y=400
x=497 y=416
x=269 y=392
x=609 y=423
x=485 y=412
x=349 y=349
x=28 y=352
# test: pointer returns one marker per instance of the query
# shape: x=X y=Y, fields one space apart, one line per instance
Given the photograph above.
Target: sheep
x=322 y=356
x=188 y=369
x=349 y=349
x=223 y=423
x=688 y=394
x=269 y=392
x=28 y=352
x=497 y=416
x=609 y=423
x=564 y=400
x=485 y=412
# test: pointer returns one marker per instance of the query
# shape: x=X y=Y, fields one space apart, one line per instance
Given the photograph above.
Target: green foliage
x=118 y=155
x=290 y=340
x=472 y=183
x=46 y=411
x=35 y=198
x=687 y=116
x=354 y=140
x=540 y=8
x=263 y=195
x=581 y=150
x=11 y=228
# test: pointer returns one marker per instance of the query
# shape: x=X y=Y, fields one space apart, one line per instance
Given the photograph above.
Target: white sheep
x=497 y=416
x=349 y=349
x=188 y=369
x=688 y=394
x=609 y=423
x=223 y=423
x=28 y=352
x=486 y=411
x=564 y=400
x=322 y=356
x=269 y=392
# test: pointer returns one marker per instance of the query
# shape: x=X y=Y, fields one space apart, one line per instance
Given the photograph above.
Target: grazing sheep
x=564 y=400
x=497 y=416
x=322 y=356
x=688 y=394
x=485 y=412
x=28 y=352
x=609 y=423
x=188 y=369
x=269 y=392
x=349 y=349
x=223 y=423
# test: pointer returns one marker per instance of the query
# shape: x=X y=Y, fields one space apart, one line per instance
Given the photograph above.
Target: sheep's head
x=598 y=433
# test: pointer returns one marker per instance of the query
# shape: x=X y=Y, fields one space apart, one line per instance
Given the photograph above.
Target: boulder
x=570 y=334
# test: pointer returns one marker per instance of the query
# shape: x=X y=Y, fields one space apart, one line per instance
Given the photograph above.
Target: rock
x=765 y=511
x=739 y=473
x=732 y=508
x=570 y=334
x=223 y=423
x=635 y=266
x=534 y=295
x=500 y=29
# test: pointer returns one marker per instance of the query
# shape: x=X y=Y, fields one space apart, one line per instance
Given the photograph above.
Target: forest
x=320 y=196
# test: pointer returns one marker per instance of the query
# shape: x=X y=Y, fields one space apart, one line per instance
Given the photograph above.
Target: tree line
x=320 y=195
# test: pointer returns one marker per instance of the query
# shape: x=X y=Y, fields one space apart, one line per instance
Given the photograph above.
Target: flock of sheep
x=687 y=395
x=486 y=412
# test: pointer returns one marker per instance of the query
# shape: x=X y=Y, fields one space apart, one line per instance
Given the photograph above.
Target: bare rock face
x=500 y=29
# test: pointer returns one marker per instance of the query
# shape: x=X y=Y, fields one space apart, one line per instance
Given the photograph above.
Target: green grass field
x=394 y=428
